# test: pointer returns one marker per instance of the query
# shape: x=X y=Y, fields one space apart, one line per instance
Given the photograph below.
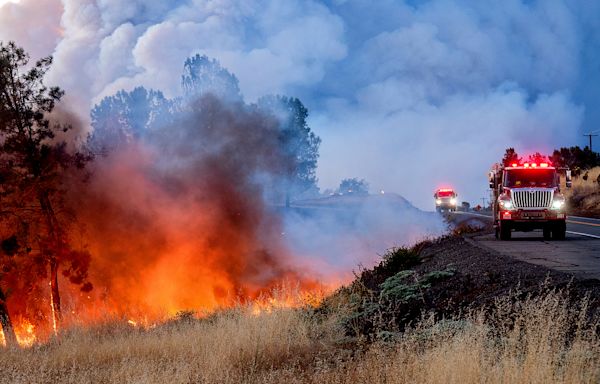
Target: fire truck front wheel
x=505 y=232
x=547 y=232
x=559 y=232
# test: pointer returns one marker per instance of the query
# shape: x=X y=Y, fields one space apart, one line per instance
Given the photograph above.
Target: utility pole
x=590 y=135
x=483 y=201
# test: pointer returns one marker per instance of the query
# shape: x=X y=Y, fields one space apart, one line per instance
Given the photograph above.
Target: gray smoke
x=407 y=94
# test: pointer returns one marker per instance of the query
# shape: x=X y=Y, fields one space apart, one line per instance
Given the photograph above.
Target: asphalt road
x=578 y=254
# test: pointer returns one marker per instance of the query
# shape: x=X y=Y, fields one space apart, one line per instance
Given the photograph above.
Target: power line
x=590 y=135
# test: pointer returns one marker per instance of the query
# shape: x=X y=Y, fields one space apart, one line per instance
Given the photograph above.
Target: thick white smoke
x=440 y=89
x=409 y=95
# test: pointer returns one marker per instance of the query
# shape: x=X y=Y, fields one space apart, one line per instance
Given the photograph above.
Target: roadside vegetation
x=396 y=323
x=584 y=197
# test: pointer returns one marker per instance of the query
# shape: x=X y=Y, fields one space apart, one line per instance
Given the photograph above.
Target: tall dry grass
x=584 y=196
x=540 y=340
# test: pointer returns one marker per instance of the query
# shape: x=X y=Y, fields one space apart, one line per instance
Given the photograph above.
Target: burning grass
x=409 y=326
x=541 y=339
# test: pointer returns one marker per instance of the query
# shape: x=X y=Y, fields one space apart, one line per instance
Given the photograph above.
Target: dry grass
x=584 y=196
x=534 y=341
x=579 y=182
x=225 y=348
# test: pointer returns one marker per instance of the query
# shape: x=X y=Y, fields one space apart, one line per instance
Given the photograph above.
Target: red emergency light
x=532 y=165
x=445 y=190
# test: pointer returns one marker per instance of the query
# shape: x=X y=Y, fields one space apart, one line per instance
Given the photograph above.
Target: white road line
x=583 y=234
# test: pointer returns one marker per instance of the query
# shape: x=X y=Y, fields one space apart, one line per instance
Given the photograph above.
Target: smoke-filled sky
x=410 y=95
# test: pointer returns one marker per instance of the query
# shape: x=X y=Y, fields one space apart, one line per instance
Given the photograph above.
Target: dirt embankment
x=448 y=277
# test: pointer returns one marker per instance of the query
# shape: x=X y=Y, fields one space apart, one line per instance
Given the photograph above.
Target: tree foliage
x=537 y=158
x=34 y=165
x=575 y=158
x=354 y=186
x=128 y=116
x=510 y=157
x=202 y=75
x=125 y=116
x=296 y=139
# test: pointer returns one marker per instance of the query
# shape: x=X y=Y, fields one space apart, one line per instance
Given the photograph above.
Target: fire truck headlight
x=558 y=204
x=453 y=201
x=506 y=204
x=438 y=201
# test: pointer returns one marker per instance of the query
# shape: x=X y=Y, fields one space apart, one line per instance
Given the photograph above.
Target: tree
x=125 y=116
x=538 y=158
x=575 y=158
x=128 y=116
x=354 y=186
x=510 y=157
x=33 y=168
x=202 y=75
x=297 y=141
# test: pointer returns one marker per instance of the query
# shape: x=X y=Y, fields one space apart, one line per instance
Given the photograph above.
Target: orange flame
x=25 y=332
x=286 y=297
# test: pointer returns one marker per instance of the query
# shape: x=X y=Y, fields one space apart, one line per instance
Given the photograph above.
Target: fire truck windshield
x=537 y=178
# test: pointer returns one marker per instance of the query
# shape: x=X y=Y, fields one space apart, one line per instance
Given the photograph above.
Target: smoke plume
x=410 y=95
x=176 y=219
x=435 y=84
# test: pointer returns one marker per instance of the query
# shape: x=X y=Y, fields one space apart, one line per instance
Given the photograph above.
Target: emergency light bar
x=531 y=165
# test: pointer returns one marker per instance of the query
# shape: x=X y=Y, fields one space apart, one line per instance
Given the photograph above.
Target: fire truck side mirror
x=491 y=179
x=568 y=180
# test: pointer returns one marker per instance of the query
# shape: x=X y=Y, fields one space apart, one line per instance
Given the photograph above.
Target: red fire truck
x=445 y=200
x=527 y=196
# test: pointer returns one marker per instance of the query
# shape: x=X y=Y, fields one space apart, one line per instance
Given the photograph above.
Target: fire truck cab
x=526 y=197
x=445 y=200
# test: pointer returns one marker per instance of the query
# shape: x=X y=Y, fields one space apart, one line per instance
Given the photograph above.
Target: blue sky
x=408 y=95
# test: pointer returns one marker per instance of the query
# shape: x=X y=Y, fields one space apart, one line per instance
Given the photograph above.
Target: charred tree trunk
x=7 y=327
x=52 y=253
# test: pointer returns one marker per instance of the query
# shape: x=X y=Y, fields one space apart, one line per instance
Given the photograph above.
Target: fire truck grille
x=532 y=199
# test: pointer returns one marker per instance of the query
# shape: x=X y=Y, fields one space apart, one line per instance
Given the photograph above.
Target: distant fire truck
x=527 y=196
x=445 y=200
